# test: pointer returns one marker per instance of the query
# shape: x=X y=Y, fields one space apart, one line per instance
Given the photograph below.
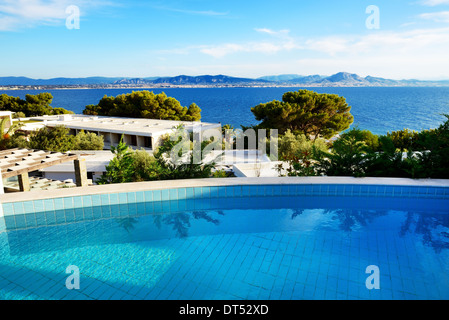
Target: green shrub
x=291 y=146
x=88 y=141
x=52 y=139
x=371 y=140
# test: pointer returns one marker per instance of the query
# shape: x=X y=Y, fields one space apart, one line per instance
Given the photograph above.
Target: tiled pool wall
x=46 y=212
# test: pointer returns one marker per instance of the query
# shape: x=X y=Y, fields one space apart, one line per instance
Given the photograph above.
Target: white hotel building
x=137 y=132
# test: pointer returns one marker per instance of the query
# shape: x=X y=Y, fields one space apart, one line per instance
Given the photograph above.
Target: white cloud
x=442 y=16
x=280 y=33
x=432 y=3
x=194 y=12
x=219 y=51
x=281 y=42
x=417 y=53
x=16 y=14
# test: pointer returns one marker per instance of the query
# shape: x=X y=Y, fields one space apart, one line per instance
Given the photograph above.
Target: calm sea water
x=377 y=109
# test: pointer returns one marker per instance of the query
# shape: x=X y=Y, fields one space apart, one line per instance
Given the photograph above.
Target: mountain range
x=341 y=79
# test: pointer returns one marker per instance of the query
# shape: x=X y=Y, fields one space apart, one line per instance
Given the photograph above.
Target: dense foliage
x=88 y=141
x=52 y=139
x=33 y=105
x=307 y=112
x=133 y=166
x=144 y=104
x=359 y=153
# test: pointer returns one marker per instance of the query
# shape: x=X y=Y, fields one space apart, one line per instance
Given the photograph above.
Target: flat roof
x=119 y=125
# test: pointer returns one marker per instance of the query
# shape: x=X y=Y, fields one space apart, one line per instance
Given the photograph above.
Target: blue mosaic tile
x=96 y=200
x=123 y=209
x=68 y=203
x=77 y=203
x=148 y=196
x=229 y=192
x=115 y=211
x=123 y=198
x=222 y=192
x=172 y=194
x=190 y=193
x=8 y=209
x=20 y=221
x=41 y=219
x=245 y=191
x=140 y=196
x=50 y=217
x=182 y=194
x=70 y=214
x=79 y=214
x=113 y=198
x=58 y=204
x=157 y=195
x=18 y=208
x=88 y=213
x=214 y=192
x=132 y=208
x=28 y=207
x=140 y=208
x=205 y=192
x=284 y=190
x=131 y=196
x=10 y=222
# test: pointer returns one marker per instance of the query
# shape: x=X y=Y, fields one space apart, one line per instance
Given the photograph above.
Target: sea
x=378 y=109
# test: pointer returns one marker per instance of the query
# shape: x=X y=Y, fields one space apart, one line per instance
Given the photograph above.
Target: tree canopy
x=32 y=105
x=58 y=139
x=52 y=139
x=305 y=112
x=144 y=104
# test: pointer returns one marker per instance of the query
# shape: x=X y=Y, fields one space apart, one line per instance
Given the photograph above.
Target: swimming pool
x=293 y=241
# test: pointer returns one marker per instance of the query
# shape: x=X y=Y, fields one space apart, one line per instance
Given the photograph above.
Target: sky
x=396 y=39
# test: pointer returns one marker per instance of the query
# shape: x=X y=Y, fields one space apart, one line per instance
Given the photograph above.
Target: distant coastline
x=341 y=79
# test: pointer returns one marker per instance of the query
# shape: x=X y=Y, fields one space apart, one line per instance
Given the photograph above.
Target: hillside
x=341 y=79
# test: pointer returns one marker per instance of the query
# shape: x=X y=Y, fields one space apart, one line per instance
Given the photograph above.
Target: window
x=148 y=142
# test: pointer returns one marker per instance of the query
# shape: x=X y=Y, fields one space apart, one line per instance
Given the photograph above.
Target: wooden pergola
x=20 y=162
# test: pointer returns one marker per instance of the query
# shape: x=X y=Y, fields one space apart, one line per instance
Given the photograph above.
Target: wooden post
x=2 y=188
x=24 y=181
x=80 y=172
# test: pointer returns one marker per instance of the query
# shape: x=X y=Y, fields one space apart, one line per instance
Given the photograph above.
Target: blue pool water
x=277 y=247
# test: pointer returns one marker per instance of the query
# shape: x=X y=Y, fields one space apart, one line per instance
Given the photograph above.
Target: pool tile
x=8 y=209
x=140 y=196
x=79 y=214
x=172 y=194
x=10 y=222
x=157 y=195
x=68 y=215
x=68 y=203
x=113 y=199
x=182 y=194
x=20 y=221
x=206 y=192
x=41 y=219
x=58 y=204
x=131 y=196
x=123 y=198
x=18 y=208
x=28 y=207
x=96 y=200
x=148 y=196
x=50 y=217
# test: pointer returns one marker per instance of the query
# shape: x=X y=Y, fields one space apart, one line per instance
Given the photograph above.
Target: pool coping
x=209 y=182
